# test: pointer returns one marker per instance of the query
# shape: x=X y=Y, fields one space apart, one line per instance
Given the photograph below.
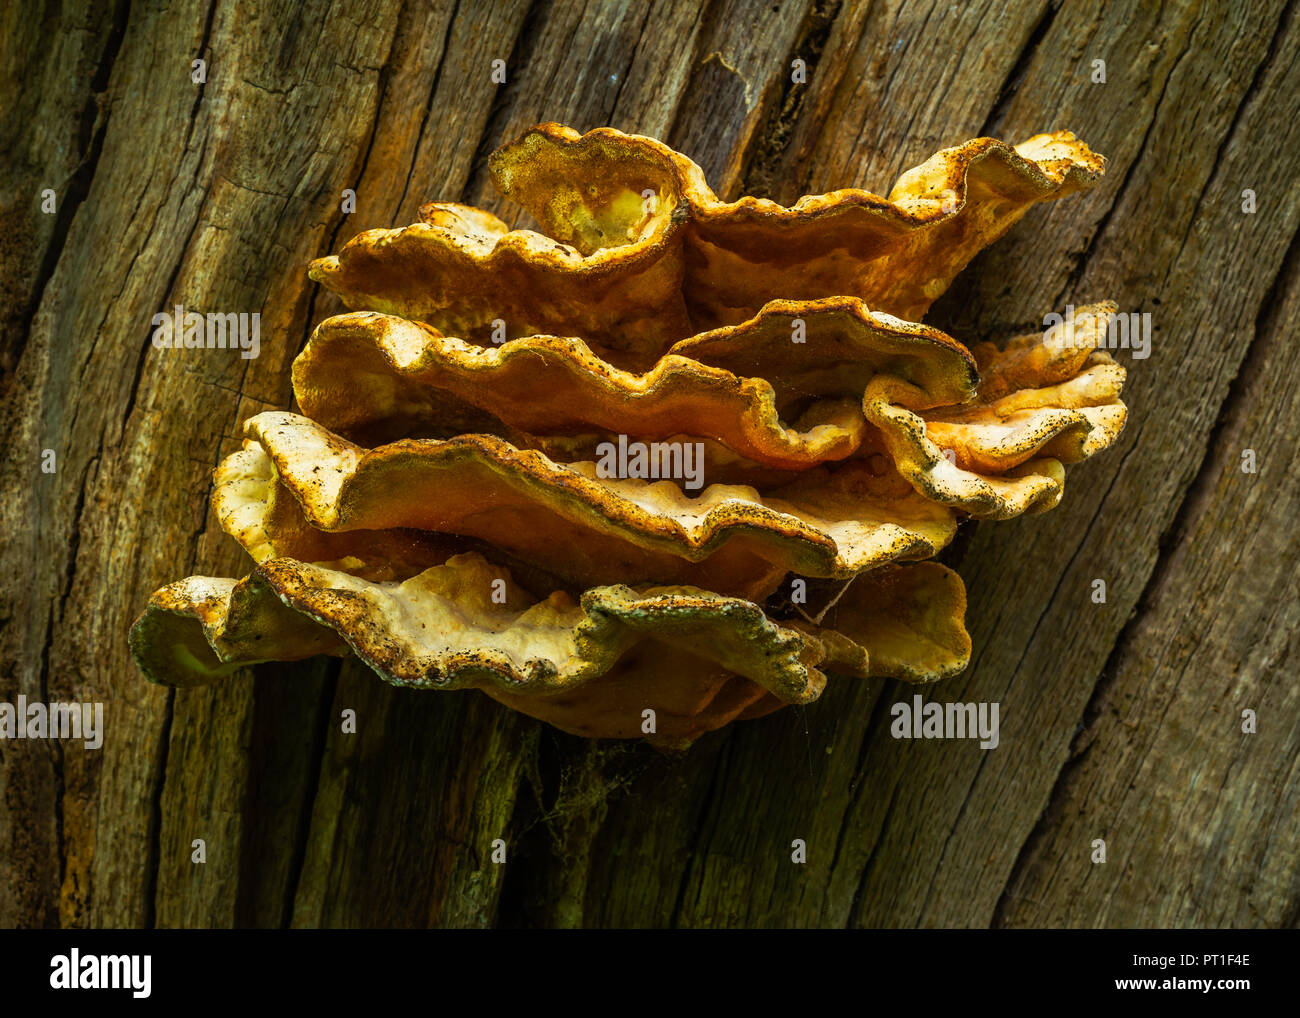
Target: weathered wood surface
x=1121 y=720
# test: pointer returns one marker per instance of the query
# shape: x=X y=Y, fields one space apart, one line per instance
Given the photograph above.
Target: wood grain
x=1122 y=721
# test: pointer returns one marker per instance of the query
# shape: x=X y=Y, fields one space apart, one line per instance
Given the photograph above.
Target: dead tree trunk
x=1122 y=721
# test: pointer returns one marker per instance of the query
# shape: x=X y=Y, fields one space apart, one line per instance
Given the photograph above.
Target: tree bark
x=1121 y=721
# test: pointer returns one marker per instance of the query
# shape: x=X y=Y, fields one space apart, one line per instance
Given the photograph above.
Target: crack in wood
x=771 y=139
x=428 y=106
x=1019 y=68
x=338 y=216
x=94 y=120
x=308 y=804
x=697 y=835
x=159 y=785
x=205 y=41
x=1284 y=22
x=855 y=907
x=1076 y=274
x=524 y=42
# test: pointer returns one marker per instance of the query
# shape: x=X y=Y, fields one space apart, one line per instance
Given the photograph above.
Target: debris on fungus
x=585 y=470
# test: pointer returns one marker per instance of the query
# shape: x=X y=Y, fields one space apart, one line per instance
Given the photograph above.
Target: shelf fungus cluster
x=670 y=462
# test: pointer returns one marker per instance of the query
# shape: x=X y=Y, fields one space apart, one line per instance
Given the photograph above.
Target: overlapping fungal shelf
x=613 y=473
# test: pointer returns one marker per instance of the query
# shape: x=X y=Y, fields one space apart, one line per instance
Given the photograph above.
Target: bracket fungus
x=589 y=665
x=637 y=251
x=448 y=506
